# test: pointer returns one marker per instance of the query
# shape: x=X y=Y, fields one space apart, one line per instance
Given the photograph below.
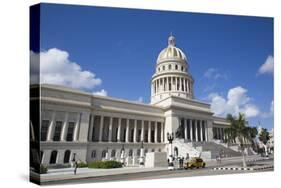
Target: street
x=167 y=173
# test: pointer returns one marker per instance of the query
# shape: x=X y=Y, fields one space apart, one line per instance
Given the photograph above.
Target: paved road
x=159 y=174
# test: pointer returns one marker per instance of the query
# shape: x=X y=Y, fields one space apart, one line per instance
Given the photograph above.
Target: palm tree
x=239 y=131
x=264 y=137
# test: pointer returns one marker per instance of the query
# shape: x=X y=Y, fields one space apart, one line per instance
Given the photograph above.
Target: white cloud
x=268 y=66
x=213 y=73
x=100 y=93
x=140 y=99
x=56 y=68
x=236 y=101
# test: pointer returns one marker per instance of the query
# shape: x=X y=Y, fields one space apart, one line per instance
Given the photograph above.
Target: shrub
x=105 y=164
x=43 y=169
x=82 y=165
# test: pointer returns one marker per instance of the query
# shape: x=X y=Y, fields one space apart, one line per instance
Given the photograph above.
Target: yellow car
x=195 y=162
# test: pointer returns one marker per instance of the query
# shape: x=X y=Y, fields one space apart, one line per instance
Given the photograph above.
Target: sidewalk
x=67 y=173
x=64 y=174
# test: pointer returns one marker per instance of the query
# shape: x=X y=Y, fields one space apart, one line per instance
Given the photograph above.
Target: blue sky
x=119 y=48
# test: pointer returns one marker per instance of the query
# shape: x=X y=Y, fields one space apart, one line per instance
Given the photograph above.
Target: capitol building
x=92 y=127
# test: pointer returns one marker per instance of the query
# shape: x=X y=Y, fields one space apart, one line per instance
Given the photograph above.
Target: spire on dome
x=171 y=40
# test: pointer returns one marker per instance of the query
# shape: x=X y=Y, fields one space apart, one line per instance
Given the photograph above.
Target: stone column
x=191 y=129
x=142 y=130
x=201 y=130
x=155 y=132
x=196 y=130
x=162 y=132
x=119 y=130
x=101 y=128
x=76 y=129
x=51 y=127
x=180 y=84
x=127 y=130
x=92 y=118
x=206 y=131
x=64 y=128
x=176 y=83
x=110 y=129
x=187 y=86
x=184 y=89
x=185 y=129
x=135 y=130
x=149 y=132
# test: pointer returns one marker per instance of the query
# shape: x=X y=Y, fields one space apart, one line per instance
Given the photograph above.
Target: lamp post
x=122 y=157
x=170 y=138
x=142 y=155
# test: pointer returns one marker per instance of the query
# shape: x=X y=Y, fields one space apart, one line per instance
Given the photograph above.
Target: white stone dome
x=171 y=52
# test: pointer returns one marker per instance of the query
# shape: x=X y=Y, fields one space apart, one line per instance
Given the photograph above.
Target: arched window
x=159 y=150
x=113 y=153
x=158 y=69
x=152 y=150
x=176 y=152
x=145 y=151
x=66 y=156
x=138 y=152
x=57 y=132
x=130 y=153
x=170 y=67
x=53 y=158
x=93 y=155
x=182 y=68
x=44 y=129
x=103 y=154
x=163 y=67
x=176 y=67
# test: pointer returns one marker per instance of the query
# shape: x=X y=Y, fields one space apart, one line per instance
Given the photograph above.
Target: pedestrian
x=75 y=167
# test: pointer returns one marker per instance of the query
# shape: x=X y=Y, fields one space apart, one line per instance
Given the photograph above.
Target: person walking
x=75 y=167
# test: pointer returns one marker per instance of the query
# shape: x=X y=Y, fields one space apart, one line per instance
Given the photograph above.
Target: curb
x=233 y=168
x=243 y=169
x=255 y=160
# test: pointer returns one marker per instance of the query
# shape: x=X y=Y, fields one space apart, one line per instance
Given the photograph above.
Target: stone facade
x=95 y=127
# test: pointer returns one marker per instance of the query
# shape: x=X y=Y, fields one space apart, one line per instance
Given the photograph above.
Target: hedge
x=105 y=164
x=43 y=169
x=82 y=165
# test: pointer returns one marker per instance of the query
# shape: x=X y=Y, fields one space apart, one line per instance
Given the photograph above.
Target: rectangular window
x=70 y=131
x=57 y=131
x=44 y=130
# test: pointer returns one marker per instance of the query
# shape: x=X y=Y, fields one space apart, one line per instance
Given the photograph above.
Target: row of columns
x=64 y=129
x=218 y=133
x=127 y=136
x=200 y=127
x=171 y=84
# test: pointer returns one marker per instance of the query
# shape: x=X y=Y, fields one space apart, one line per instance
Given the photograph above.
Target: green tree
x=239 y=131
x=264 y=138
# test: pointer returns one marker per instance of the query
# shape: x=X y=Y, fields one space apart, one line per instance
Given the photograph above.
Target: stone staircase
x=185 y=147
x=216 y=149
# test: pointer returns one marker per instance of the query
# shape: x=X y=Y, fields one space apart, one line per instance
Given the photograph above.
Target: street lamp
x=170 y=138
x=142 y=155
x=122 y=155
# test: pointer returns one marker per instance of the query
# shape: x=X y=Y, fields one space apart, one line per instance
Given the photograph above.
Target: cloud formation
x=100 y=93
x=213 y=73
x=57 y=68
x=268 y=66
x=236 y=101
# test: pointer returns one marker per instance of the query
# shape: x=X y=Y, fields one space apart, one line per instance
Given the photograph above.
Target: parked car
x=195 y=162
